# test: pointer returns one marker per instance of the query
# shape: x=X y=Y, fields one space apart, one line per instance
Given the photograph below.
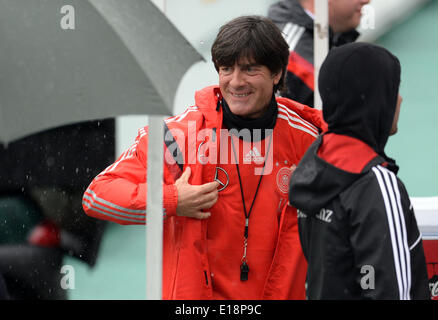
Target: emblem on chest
x=283 y=177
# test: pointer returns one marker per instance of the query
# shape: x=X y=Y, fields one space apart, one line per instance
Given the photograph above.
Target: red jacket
x=118 y=194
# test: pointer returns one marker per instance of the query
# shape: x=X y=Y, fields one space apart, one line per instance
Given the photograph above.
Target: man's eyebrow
x=247 y=65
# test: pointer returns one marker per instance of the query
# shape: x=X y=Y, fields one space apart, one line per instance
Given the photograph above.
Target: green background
x=415 y=146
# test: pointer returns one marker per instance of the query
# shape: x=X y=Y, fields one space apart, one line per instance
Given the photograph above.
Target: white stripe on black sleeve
x=294 y=41
x=416 y=242
x=292 y=34
x=286 y=30
x=391 y=198
x=404 y=232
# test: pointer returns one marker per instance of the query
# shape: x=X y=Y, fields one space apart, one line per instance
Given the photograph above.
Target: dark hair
x=252 y=37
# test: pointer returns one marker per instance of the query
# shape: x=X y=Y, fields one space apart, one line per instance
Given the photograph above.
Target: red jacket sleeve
x=118 y=194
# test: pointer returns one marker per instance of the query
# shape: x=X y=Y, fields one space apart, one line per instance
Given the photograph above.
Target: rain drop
x=50 y=161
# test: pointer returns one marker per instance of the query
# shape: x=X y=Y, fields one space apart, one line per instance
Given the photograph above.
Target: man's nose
x=237 y=78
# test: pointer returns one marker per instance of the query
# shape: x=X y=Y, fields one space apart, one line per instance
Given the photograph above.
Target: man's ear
x=276 y=77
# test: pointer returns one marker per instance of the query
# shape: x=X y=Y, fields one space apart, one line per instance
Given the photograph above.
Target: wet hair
x=255 y=38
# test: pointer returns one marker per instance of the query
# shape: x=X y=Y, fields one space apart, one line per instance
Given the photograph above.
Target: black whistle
x=244 y=270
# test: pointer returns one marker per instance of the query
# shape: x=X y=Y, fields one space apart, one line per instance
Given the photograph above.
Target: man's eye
x=225 y=69
x=251 y=69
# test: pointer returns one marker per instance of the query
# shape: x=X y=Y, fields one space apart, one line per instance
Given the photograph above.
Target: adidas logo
x=253 y=155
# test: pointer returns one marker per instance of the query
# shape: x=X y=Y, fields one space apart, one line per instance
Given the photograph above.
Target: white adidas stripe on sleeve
x=292 y=34
x=397 y=228
x=295 y=117
x=297 y=122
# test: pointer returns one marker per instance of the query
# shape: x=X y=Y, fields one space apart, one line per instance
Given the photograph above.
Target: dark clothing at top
x=297 y=28
x=265 y=122
x=357 y=225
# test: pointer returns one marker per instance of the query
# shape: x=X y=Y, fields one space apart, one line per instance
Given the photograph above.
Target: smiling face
x=247 y=87
x=251 y=57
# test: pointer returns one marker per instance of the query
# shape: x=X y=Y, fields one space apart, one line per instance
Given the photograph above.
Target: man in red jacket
x=229 y=232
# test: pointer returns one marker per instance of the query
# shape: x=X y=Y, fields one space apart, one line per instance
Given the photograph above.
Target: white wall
x=426 y=212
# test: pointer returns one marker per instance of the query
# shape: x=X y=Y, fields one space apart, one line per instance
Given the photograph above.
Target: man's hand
x=192 y=199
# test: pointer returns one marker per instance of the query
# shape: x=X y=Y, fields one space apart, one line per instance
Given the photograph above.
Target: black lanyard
x=244 y=269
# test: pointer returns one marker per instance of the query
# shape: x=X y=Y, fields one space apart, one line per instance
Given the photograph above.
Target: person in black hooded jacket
x=357 y=225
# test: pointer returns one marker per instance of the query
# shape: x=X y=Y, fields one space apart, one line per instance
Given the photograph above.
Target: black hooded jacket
x=357 y=225
x=297 y=28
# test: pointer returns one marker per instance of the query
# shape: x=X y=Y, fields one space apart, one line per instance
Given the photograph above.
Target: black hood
x=359 y=86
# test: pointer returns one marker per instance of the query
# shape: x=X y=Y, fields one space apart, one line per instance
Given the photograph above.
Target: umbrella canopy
x=122 y=57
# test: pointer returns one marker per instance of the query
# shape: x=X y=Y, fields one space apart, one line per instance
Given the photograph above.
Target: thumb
x=186 y=174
